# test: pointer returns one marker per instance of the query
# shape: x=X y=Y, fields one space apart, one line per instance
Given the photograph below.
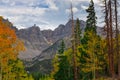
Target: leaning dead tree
x=74 y=48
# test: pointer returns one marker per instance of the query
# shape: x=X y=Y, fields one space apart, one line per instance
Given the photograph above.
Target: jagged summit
x=36 y=41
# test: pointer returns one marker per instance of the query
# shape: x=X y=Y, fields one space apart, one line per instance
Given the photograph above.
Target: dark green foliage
x=40 y=76
x=62 y=47
x=90 y=24
x=77 y=32
x=91 y=18
x=64 y=70
x=37 y=75
x=90 y=31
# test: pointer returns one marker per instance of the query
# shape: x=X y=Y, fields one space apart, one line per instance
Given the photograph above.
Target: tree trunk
x=74 y=48
x=111 y=42
x=107 y=25
x=117 y=38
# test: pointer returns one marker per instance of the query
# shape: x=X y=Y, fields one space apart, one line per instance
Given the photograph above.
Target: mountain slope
x=33 y=40
x=46 y=56
x=62 y=32
x=37 y=42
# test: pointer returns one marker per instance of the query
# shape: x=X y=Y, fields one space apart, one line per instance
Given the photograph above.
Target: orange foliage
x=9 y=44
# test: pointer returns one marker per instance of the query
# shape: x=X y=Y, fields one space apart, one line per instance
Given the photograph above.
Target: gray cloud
x=44 y=13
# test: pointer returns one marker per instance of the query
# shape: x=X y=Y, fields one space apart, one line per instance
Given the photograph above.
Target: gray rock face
x=42 y=45
x=48 y=35
x=55 y=37
x=61 y=32
x=33 y=40
x=43 y=62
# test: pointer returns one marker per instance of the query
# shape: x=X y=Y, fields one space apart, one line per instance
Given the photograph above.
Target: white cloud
x=28 y=21
x=23 y=16
x=76 y=2
x=48 y=26
x=22 y=11
x=84 y=7
x=25 y=13
x=44 y=13
x=5 y=1
x=97 y=1
x=51 y=4
x=75 y=10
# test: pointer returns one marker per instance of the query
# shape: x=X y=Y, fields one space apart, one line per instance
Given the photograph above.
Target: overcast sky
x=47 y=14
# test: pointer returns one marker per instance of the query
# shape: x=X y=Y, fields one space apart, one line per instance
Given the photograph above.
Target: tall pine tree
x=63 y=65
x=90 y=45
x=91 y=18
x=90 y=23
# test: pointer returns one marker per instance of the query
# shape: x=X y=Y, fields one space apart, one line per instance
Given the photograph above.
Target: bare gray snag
x=74 y=49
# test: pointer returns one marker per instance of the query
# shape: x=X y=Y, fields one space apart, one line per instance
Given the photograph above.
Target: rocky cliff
x=34 y=42
x=42 y=62
x=40 y=44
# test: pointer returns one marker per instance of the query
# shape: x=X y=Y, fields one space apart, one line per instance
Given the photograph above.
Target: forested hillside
x=78 y=50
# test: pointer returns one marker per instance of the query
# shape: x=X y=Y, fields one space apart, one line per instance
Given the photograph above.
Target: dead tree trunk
x=117 y=38
x=111 y=40
x=109 y=37
x=108 y=31
x=74 y=49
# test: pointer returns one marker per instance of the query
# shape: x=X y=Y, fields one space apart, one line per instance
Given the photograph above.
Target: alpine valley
x=42 y=45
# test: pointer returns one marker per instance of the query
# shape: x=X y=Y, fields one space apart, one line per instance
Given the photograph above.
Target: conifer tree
x=77 y=33
x=90 y=23
x=63 y=65
x=91 y=18
x=89 y=48
x=62 y=47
